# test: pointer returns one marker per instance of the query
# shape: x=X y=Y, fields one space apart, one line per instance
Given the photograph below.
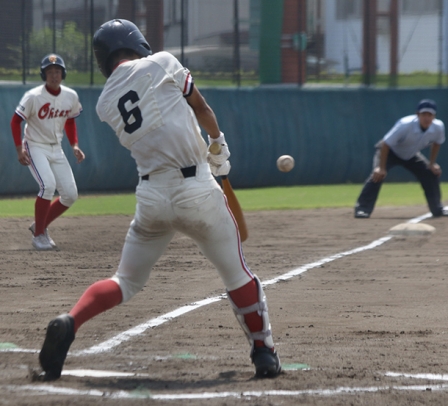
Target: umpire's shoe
x=361 y=214
x=60 y=335
x=266 y=361
x=442 y=212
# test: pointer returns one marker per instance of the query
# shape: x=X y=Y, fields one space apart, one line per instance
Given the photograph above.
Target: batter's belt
x=187 y=172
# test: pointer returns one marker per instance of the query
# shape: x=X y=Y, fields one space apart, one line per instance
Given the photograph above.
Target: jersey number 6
x=131 y=96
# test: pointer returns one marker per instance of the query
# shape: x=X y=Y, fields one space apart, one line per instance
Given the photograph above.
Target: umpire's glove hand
x=222 y=170
x=223 y=156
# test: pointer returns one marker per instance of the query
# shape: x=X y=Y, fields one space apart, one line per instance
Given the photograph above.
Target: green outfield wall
x=329 y=132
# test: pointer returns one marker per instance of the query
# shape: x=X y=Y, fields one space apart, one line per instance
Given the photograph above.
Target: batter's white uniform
x=143 y=101
x=45 y=115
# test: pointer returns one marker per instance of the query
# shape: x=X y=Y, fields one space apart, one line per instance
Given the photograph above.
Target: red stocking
x=99 y=297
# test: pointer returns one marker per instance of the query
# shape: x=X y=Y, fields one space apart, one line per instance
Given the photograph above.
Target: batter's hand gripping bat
x=234 y=205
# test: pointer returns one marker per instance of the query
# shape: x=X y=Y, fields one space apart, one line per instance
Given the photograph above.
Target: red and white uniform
x=143 y=101
x=46 y=118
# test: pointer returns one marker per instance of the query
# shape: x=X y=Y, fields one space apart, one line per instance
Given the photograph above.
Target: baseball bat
x=234 y=204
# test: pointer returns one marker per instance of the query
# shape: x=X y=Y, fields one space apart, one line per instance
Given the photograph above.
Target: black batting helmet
x=115 y=35
x=52 y=59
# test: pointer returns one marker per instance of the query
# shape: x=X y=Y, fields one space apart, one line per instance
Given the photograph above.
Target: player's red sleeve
x=16 y=128
x=70 y=130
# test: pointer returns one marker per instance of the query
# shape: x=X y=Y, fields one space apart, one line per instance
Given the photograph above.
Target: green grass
x=87 y=205
x=312 y=197
x=275 y=198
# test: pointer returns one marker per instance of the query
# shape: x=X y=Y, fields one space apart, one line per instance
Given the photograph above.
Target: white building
x=422 y=35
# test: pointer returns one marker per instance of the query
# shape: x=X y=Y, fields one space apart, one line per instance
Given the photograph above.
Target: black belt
x=188 y=172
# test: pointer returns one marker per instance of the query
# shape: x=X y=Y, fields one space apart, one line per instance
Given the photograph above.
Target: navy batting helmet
x=115 y=35
x=52 y=59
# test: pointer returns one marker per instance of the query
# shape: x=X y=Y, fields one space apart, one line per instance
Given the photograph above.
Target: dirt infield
x=366 y=327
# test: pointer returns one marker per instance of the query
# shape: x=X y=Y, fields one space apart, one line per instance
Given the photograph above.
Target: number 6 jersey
x=144 y=102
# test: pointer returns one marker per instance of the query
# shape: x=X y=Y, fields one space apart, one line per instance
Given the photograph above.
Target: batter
x=153 y=106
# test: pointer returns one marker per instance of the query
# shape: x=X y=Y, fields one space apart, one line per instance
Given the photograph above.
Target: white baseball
x=285 y=163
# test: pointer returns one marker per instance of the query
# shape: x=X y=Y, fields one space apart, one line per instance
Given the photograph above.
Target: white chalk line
x=49 y=389
x=420 y=218
x=53 y=390
x=95 y=373
x=141 y=328
x=431 y=377
x=127 y=335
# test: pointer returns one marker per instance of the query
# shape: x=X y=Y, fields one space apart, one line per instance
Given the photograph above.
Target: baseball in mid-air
x=285 y=163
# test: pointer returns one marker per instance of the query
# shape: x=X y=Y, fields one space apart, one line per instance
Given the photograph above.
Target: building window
x=348 y=9
x=172 y=11
x=417 y=7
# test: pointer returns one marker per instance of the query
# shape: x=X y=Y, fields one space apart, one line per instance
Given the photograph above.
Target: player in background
x=401 y=146
x=151 y=103
x=48 y=110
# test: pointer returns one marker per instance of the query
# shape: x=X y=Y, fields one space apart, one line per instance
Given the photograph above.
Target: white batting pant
x=51 y=170
x=196 y=207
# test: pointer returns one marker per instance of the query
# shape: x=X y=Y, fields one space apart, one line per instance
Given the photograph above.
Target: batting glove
x=222 y=170
x=223 y=156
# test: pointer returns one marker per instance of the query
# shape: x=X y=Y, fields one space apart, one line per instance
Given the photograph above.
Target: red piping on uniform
x=240 y=250
x=187 y=84
x=34 y=169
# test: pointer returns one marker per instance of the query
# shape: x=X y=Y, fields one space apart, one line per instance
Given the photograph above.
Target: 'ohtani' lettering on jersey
x=47 y=112
x=46 y=115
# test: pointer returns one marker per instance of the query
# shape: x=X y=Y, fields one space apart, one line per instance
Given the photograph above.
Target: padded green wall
x=330 y=133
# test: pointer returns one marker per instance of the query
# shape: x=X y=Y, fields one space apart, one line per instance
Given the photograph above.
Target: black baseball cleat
x=361 y=214
x=60 y=335
x=266 y=361
x=444 y=211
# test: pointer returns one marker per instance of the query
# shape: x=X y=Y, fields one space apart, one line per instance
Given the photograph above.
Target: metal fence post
x=236 y=45
x=182 y=32
x=91 y=37
x=23 y=43
x=54 y=24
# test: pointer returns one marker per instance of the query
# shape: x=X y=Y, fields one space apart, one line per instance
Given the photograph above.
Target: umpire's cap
x=52 y=59
x=115 y=35
x=427 y=105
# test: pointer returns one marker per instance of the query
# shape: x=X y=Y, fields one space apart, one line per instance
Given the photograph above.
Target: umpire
x=402 y=146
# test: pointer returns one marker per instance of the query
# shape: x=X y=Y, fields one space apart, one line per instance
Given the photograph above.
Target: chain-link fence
x=242 y=42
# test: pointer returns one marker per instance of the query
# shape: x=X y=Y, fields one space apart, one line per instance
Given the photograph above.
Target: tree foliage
x=70 y=44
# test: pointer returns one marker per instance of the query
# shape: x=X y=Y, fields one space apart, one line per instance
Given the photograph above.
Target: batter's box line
x=431 y=377
x=25 y=390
